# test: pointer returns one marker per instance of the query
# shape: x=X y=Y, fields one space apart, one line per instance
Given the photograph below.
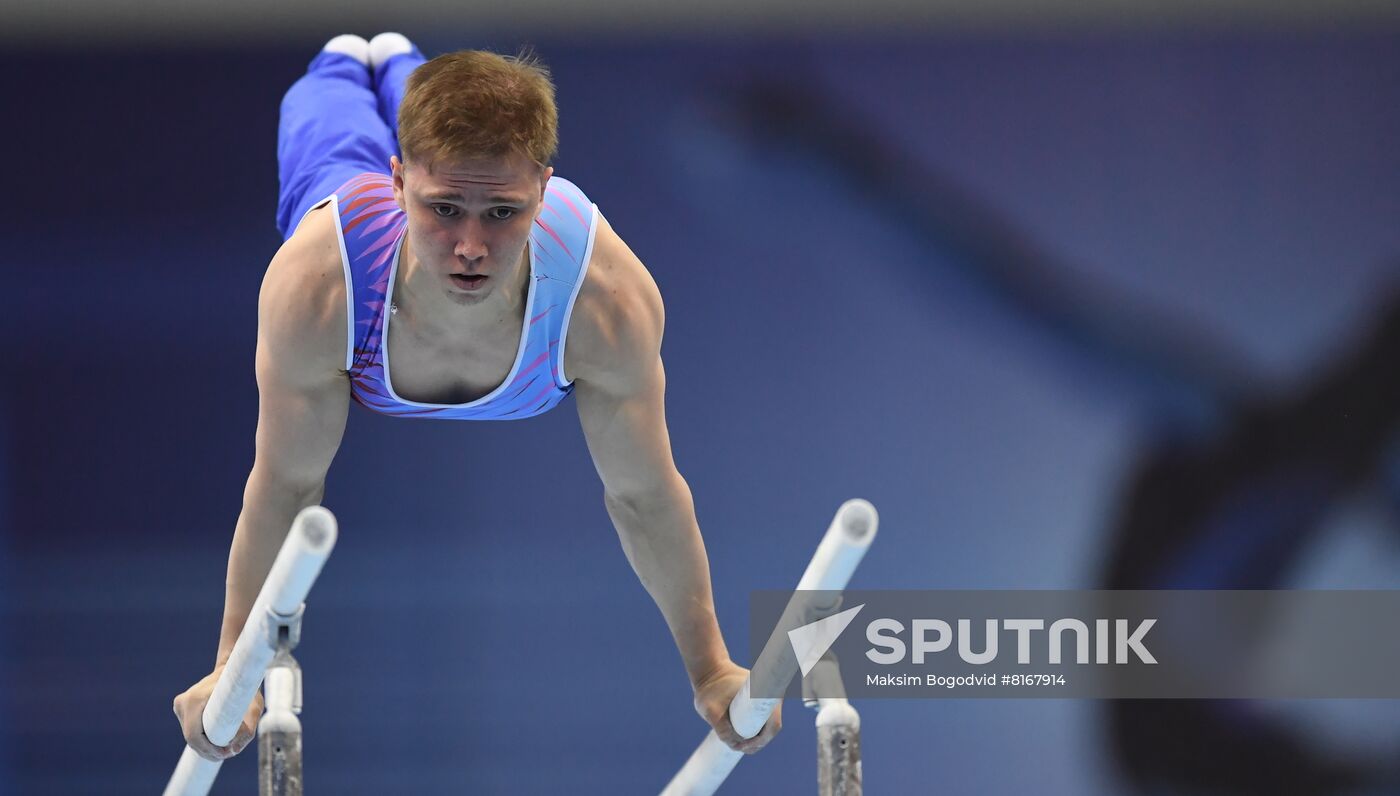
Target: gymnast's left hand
x=715 y=691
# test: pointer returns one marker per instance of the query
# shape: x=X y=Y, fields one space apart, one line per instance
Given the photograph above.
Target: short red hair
x=474 y=104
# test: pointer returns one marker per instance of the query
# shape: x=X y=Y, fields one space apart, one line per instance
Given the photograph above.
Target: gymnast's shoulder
x=302 y=306
x=618 y=318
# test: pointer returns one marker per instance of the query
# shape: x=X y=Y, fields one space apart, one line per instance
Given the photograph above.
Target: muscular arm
x=620 y=388
x=303 y=400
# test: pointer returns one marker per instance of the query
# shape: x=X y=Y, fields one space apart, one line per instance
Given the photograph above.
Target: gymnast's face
x=469 y=220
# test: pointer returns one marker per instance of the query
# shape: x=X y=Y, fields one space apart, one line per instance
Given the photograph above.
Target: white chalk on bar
x=193 y=776
x=841 y=549
x=303 y=553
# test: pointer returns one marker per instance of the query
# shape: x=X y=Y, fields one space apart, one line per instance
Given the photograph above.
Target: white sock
x=386 y=46
x=351 y=45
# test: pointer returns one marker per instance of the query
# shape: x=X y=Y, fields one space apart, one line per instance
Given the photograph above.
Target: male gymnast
x=505 y=289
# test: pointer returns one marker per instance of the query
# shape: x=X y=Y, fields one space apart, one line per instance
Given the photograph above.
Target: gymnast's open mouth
x=468 y=281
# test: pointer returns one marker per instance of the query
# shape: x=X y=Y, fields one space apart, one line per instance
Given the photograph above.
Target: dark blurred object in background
x=1238 y=512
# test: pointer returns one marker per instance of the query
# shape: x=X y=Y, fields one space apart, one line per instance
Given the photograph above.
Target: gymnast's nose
x=471 y=246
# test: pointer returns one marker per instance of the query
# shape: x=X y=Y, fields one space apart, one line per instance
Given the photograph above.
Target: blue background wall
x=1230 y=199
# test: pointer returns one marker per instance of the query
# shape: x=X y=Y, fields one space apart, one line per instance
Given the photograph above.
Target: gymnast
x=505 y=289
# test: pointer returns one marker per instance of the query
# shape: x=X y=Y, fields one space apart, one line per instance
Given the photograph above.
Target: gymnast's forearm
x=269 y=506
x=662 y=540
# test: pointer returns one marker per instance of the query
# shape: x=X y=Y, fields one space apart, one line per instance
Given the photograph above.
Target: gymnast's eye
x=501 y=213
x=444 y=211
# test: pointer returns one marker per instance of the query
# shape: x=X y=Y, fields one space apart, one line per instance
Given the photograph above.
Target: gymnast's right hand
x=189 y=709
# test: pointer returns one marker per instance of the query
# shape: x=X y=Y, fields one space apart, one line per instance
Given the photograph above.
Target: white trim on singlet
x=563 y=381
x=519 y=353
x=349 y=281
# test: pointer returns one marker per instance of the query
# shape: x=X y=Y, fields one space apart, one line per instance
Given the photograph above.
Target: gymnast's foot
x=351 y=45
x=386 y=46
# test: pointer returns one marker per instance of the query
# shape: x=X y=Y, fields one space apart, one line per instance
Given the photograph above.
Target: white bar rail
x=840 y=551
x=304 y=552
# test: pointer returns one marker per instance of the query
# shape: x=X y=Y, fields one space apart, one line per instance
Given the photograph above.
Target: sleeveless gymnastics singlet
x=371 y=227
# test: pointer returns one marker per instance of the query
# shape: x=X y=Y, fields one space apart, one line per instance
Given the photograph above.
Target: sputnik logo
x=811 y=641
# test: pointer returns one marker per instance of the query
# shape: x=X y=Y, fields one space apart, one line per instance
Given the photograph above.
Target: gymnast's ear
x=396 y=168
x=545 y=174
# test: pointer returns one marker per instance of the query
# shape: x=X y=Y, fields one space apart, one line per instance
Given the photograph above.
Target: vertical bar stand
x=838 y=730
x=279 y=731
